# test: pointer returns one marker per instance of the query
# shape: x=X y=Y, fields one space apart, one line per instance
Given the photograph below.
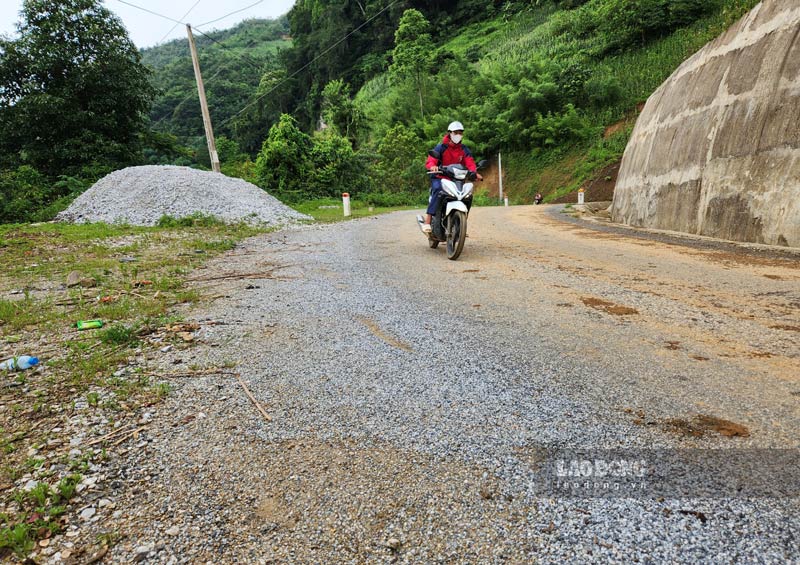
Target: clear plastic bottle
x=19 y=363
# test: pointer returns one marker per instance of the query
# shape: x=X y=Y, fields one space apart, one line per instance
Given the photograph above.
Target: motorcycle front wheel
x=456 y=234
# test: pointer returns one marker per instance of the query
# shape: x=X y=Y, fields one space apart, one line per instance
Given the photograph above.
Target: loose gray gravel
x=408 y=396
x=140 y=196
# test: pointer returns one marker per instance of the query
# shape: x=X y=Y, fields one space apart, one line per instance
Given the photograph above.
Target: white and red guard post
x=346 y=204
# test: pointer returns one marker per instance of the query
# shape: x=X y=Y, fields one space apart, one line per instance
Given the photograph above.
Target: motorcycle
x=538 y=198
x=449 y=223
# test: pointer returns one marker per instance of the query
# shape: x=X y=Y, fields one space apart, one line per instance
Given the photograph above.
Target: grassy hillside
x=233 y=62
x=558 y=86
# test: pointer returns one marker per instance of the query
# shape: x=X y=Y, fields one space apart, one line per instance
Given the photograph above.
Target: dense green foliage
x=538 y=79
x=73 y=101
x=342 y=96
x=235 y=63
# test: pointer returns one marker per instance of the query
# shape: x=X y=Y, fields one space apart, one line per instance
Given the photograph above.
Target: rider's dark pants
x=436 y=196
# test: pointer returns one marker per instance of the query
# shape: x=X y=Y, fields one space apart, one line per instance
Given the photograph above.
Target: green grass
x=328 y=210
x=133 y=298
x=40 y=509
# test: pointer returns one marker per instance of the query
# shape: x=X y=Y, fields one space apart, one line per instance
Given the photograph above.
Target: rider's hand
x=433 y=169
x=478 y=176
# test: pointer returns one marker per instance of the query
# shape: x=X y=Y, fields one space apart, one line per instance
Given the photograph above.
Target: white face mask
x=456 y=138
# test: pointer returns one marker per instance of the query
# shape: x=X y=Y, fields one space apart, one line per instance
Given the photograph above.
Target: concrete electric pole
x=212 y=146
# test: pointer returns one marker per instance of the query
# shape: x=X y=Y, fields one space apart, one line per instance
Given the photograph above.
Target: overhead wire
x=304 y=67
x=232 y=13
x=189 y=11
x=149 y=11
x=227 y=48
x=298 y=71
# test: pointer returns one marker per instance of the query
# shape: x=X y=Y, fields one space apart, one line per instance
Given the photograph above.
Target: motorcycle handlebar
x=439 y=171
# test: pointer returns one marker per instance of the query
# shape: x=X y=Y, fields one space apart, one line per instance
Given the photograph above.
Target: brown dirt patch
x=702 y=424
x=673 y=345
x=378 y=332
x=600 y=188
x=786 y=328
x=608 y=307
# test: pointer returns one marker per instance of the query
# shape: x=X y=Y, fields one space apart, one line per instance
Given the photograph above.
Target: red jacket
x=452 y=154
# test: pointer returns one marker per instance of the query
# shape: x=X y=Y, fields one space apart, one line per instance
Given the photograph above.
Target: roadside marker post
x=505 y=200
x=346 y=204
x=581 y=196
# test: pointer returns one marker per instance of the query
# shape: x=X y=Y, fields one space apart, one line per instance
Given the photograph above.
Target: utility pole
x=500 y=171
x=201 y=90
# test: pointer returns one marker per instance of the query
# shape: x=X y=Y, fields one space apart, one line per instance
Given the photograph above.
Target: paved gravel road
x=410 y=395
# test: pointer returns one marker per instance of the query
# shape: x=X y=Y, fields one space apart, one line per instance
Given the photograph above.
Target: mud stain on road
x=786 y=328
x=702 y=424
x=608 y=307
x=378 y=332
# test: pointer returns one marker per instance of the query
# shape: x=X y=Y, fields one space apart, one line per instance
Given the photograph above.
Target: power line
x=304 y=67
x=211 y=79
x=237 y=53
x=232 y=13
x=182 y=18
x=149 y=11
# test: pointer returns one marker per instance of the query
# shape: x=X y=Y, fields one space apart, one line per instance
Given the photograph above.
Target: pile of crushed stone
x=141 y=196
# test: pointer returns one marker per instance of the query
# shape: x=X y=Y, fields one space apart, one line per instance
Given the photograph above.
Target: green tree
x=401 y=155
x=336 y=168
x=338 y=109
x=413 y=52
x=73 y=91
x=284 y=163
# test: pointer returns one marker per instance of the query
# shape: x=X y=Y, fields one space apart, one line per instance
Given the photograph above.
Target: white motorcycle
x=449 y=223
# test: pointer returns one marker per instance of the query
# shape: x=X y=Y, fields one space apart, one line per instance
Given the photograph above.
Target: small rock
x=166 y=349
x=142 y=552
x=393 y=544
x=173 y=531
x=74 y=279
x=87 y=514
x=87 y=282
x=104 y=502
x=30 y=485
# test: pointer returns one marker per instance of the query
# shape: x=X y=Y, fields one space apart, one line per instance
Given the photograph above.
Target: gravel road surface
x=409 y=397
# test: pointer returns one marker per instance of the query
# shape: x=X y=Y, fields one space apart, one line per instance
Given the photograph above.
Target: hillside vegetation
x=346 y=96
x=554 y=85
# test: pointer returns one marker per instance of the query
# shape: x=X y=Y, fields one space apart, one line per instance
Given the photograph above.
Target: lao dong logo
x=601 y=468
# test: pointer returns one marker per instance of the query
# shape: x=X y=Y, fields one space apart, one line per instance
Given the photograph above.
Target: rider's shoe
x=426 y=228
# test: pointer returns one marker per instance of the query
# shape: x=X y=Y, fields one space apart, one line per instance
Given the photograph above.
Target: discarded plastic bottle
x=19 y=363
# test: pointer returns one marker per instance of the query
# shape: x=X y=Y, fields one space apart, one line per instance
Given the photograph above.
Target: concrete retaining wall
x=716 y=150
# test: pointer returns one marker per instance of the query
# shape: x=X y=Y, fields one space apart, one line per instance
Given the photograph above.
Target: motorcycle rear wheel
x=456 y=234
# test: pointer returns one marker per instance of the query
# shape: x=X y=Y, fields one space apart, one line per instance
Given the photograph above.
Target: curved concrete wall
x=716 y=150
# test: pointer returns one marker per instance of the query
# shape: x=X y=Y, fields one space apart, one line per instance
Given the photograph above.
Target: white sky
x=147 y=30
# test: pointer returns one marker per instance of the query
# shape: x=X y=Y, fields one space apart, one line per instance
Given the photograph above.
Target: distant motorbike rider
x=452 y=152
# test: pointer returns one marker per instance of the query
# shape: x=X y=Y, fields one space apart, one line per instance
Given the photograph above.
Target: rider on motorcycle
x=452 y=153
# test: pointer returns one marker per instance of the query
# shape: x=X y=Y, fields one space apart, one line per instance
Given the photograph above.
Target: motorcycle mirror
x=435 y=154
x=482 y=164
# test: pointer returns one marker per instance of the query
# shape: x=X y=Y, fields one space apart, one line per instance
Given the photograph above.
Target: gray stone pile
x=142 y=195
